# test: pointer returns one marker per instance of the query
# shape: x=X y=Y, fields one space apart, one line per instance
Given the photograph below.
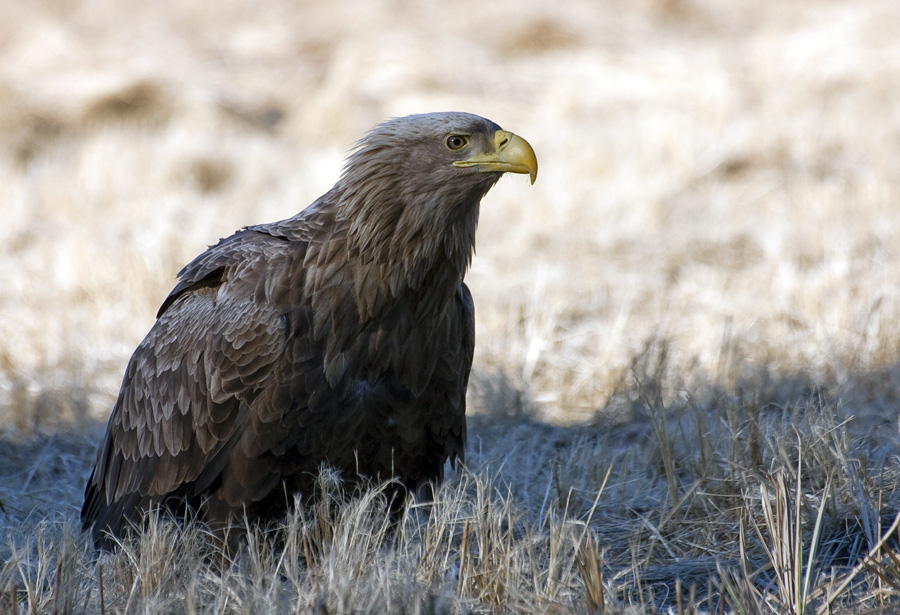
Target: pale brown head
x=417 y=181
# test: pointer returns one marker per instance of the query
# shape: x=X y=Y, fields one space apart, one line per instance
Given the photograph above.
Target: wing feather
x=189 y=385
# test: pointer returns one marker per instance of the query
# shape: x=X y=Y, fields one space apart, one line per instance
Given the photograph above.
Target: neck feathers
x=408 y=243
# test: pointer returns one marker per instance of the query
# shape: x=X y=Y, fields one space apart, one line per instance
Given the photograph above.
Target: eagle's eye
x=456 y=142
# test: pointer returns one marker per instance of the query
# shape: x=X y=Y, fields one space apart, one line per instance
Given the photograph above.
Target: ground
x=688 y=326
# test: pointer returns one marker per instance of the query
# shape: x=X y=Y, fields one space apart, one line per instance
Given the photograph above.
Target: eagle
x=341 y=337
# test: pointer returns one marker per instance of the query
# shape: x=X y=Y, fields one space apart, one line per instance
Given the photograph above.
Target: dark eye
x=455 y=142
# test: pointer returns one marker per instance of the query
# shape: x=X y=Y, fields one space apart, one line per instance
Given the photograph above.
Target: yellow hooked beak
x=512 y=154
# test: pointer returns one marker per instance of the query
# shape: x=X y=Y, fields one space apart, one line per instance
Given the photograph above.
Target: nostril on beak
x=501 y=141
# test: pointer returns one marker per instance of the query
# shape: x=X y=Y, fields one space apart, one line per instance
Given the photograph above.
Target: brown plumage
x=342 y=336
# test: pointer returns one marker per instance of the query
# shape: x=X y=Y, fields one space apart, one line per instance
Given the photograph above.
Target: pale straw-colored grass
x=695 y=307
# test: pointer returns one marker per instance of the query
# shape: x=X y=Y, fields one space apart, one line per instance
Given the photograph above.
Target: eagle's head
x=437 y=148
x=414 y=183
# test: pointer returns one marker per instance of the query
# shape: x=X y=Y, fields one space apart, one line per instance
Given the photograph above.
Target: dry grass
x=688 y=364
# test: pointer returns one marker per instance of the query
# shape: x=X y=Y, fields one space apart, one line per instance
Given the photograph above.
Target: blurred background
x=721 y=178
